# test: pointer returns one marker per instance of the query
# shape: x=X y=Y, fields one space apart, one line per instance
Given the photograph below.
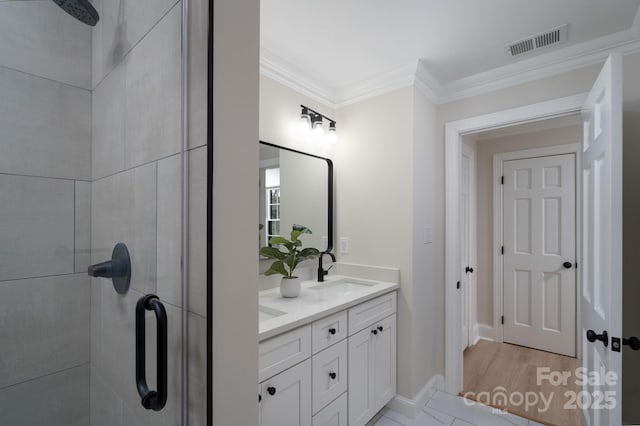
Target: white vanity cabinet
x=372 y=360
x=338 y=370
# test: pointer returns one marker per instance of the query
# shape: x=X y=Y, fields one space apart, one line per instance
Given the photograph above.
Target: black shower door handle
x=151 y=400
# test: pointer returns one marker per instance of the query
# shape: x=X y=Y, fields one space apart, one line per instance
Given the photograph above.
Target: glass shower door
x=91 y=158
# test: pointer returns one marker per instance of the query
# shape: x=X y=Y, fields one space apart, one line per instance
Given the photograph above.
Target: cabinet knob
x=271 y=390
x=333 y=375
x=332 y=331
x=259 y=398
x=380 y=328
x=375 y=332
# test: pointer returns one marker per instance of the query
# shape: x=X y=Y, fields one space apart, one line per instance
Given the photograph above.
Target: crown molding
x=287 y=74
x=376 y=86
x=636 y=23
x=418 y=75
x=552 y=63
x=426 y=82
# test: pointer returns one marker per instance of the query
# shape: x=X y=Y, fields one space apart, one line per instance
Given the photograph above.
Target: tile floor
x=444 y=409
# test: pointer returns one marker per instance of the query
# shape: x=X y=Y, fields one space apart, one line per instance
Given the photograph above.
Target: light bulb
x=317 y=131
x=331 y=136
x=317 y=126
x=305 y=121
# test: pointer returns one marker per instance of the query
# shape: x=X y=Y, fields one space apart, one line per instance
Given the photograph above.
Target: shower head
x=82 y=10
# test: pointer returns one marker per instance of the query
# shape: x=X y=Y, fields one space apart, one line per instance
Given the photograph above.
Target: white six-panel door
x=540 y=253
x=601 y=302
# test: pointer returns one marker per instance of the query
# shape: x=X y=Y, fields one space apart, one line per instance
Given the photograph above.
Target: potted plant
x=287 y=261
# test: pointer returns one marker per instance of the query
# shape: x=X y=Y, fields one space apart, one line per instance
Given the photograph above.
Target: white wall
x=374 y=200
x=485 y=150
x=428 y=294
x=235 y=206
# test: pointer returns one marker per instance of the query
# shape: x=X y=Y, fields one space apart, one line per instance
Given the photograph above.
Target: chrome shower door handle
x=151 y=400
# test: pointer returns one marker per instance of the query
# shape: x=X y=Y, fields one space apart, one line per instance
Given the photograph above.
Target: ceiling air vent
x=538 y=41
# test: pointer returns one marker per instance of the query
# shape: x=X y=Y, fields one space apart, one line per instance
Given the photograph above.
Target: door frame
x=454 y=131
x=498 y=237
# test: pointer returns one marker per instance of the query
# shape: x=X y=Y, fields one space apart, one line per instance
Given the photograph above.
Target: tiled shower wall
x=45 y=202
x=90 y=155
x=136 y=199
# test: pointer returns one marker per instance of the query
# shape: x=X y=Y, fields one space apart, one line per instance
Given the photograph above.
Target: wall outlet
x=344 y=245
x=427 y=235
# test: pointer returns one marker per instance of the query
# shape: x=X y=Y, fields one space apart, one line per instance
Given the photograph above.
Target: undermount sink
x=265 y=313
x=343 y=286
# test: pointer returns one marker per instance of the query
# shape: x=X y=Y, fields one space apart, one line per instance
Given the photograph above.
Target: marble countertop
x=316 y=300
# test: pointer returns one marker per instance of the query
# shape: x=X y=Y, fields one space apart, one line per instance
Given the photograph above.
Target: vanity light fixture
x=310 y=119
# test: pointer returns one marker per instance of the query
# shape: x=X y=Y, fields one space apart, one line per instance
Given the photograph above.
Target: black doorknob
x=604 y=337
x=271 y=390
x=633 y=343
x=567 y=265
x=332 y=331
x=468 y=269
x=380 y=328
x=333 y=375
x=374 y=332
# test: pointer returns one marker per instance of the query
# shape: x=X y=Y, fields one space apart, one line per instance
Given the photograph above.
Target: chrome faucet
x=321 y=271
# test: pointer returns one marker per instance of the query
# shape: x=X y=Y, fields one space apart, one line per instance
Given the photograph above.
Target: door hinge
x=458 y=285
x=502 y=250
x=502 y=180
x=502 y=319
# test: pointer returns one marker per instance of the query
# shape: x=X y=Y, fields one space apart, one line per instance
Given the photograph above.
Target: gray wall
x=45 y=196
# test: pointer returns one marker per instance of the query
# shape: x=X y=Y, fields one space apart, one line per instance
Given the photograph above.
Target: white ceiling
x=339 y=44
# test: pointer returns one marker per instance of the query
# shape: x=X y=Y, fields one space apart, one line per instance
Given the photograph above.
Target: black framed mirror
x=295 y=188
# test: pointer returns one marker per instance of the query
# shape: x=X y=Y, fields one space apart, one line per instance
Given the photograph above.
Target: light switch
x=427 y=235
x=344 y=245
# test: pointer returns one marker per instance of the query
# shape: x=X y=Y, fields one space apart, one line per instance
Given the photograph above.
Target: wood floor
x=502 y=369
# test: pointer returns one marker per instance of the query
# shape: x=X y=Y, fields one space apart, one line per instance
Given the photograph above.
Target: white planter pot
x=290 y=287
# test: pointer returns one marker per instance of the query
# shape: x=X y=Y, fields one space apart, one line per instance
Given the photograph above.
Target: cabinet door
x=361 y=378
x=384 y=362
x=286 y=398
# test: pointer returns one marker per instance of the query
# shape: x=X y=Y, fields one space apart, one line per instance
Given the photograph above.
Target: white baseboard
x=483 y=332
x=411 y=407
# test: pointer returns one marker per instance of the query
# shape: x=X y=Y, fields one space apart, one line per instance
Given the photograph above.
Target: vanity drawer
x=283 y=351
x=334 y=414
x=329 y=375
x=327 y=331
x=369 y=312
